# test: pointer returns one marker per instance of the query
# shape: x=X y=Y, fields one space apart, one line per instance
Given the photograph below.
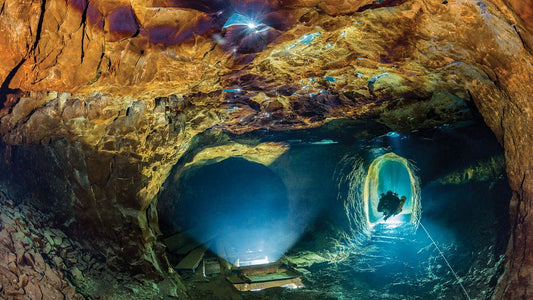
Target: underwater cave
x=266 y=149
x=307 y=219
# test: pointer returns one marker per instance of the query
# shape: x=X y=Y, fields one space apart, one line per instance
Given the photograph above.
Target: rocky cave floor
x=461 y=210
x=396 y=263
x=39 y=261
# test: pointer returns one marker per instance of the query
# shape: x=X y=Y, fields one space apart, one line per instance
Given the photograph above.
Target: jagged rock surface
x=138 y=80
x=42 y=262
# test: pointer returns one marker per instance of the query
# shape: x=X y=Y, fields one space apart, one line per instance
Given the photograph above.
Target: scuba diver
x=390 y=204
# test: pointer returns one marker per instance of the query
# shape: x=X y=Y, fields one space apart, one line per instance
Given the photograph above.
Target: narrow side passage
x=371 y=173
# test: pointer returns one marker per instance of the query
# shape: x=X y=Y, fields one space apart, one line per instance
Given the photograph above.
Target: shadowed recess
x=381 y=3
x=94 y=16
x=200 y=5
x=172 y=35
x=79 y=4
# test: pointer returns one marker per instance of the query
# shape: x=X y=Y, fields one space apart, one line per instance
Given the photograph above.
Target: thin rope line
x=446 y=260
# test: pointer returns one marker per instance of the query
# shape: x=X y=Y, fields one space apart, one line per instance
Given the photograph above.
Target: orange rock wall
x=315 y=60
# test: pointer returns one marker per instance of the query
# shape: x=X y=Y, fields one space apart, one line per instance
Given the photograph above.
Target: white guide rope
x=446 y=260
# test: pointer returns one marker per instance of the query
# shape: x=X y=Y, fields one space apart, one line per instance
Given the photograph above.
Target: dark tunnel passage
x=306 y=210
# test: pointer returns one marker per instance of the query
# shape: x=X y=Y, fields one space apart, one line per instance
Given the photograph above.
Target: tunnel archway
x=391 y=172
x=236 y=208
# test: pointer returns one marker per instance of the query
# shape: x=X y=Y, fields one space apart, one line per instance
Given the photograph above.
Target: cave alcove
x=238 y=208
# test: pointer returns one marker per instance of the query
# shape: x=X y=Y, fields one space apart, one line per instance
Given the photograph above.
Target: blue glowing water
x=392 y=134
x=393 y=176
x=238 y=209
x=324 y=142
x=236 y=90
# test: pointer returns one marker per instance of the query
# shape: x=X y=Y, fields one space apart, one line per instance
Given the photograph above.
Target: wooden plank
x=212 y=266
x=184 y=242
x=271 y=276
x=260 y=269
x=250 y=286
x=192 y=260
x=286 y=278
x=180 y=244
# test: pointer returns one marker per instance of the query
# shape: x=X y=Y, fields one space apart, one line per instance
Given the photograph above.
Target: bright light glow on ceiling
x=238 y=19
x=393 y=134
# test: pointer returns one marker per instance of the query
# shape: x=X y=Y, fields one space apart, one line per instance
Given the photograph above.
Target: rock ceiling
x=140 y=78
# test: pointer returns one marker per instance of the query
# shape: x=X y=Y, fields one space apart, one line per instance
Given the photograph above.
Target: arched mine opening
x=392 y=173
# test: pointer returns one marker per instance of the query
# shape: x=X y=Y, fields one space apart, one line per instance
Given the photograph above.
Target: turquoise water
x=393 y=176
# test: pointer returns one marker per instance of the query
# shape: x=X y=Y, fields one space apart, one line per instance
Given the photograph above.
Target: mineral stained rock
x=101 y=98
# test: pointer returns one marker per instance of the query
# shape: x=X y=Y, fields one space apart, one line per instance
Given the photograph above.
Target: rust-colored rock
x=525 y=10
x=103 y=97
x=33 y=291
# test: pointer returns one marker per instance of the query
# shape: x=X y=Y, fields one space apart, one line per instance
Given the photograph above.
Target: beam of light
x=246 y=34
x=238 y=19
x=395 y=173
x=239 y=209
x=252 y=262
